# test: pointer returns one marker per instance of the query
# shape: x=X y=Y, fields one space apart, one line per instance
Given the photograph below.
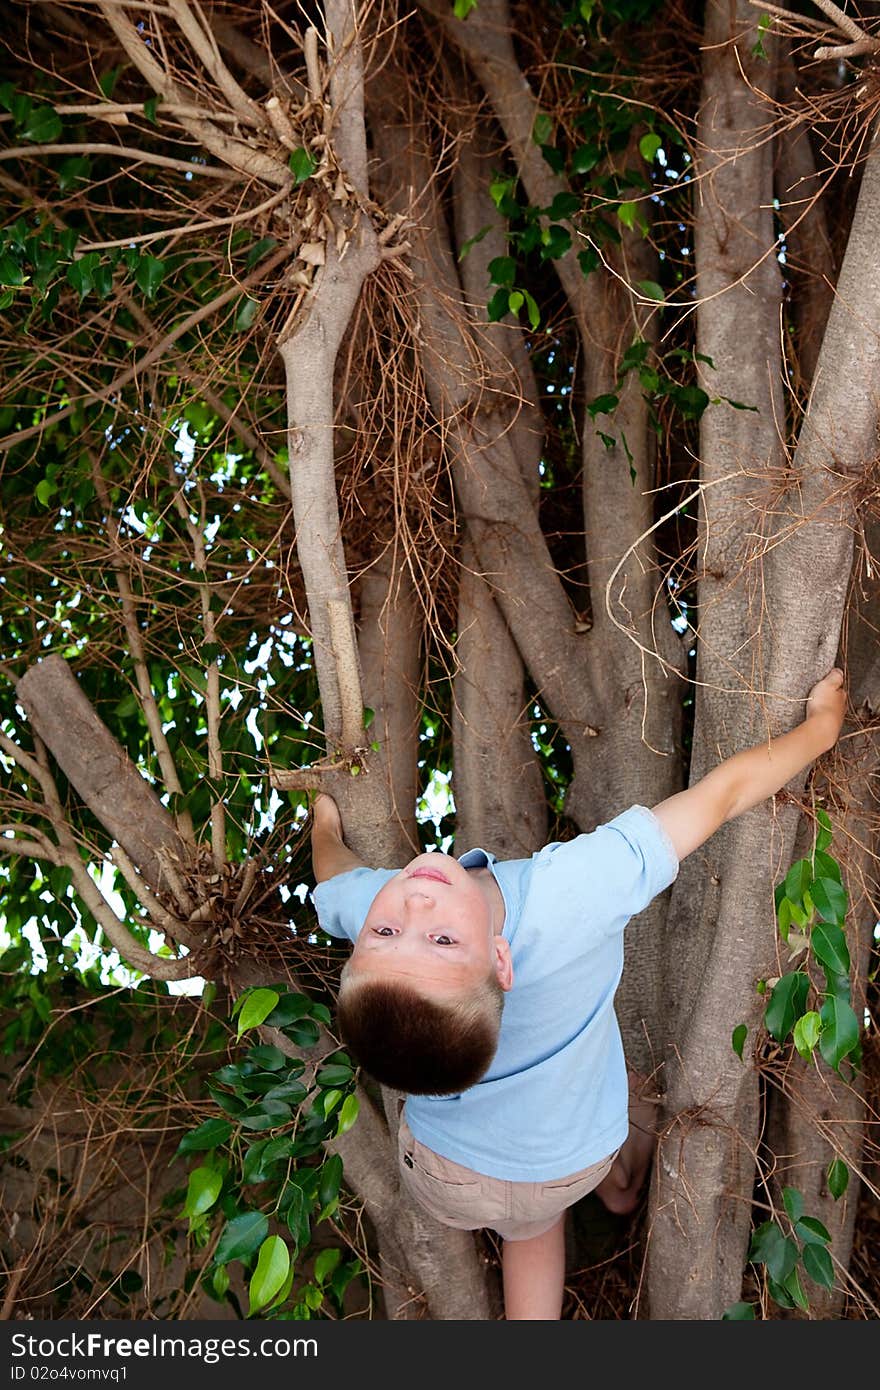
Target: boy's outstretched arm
x=748 y=778
x=330 y=853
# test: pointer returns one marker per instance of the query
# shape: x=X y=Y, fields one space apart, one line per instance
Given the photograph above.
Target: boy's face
x=433 y=926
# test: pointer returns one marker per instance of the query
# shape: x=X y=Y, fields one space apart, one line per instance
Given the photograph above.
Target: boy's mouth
x=429 y=873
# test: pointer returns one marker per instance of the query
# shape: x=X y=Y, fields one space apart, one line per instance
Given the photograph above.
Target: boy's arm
x=748 y=778
x=330 y=854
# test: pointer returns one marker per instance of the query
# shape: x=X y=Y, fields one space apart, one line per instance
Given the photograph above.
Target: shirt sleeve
x=615 y=871
x=342 y=902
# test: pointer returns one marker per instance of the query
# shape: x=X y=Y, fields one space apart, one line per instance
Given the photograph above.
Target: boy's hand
x=326 y=815
x=827 y=702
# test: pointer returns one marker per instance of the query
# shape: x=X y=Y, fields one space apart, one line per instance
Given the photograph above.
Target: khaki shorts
x=459 y=1197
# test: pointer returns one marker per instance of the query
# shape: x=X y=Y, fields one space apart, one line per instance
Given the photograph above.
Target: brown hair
x=416 y=1044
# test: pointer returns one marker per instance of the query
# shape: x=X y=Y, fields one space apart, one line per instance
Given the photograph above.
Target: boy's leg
x=534 y=1275
x=622 y=1188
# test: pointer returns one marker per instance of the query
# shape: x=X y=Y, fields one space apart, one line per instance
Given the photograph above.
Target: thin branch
x=30 y=849
x=313 y=64
x=164 y=919
x=842 y=21
x=163 y=161
x=146 y=237
x=239 y=156
x=154 y=353
x=170 y=777
x=204 y=44
x=212 y=690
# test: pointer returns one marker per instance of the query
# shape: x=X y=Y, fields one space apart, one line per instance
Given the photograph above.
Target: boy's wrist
x=826 y=727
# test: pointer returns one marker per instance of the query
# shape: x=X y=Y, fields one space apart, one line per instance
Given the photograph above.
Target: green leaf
x=207 y=1136
x=793 y=1201
x=534 y=312
x=542 y=130
x=784 y=917
x=45 y=491
x=462 y=8
x=738 y=1038
x=771 y=1248
x=150 y=109
x=256 y=1009
x=149 y=274
x=472 y=241
x=823 y=834
x=326 y=1263
x=824 y=866
x=585 y=158
x=80 y=273
x=649 y=145
x=266 y=1055
x=107 y=82
x=304 y=1033
x=331 y=1178
x=43 y=126
x=627 y=212
x=811 y=1230
x=806 y=1033
x=347 y=1115
x=202 y=1191
x=497 y=306
x=739 y=1312
x=515 y=301
x=837 y=1178
x=11 y=272
x=76 y=169
x=242 y=1236
x=588 y=261
x=830 y=899
x=302 y=165
x=786 y=1005
x=289 y=1008
x=819 y=1265
x=564 y=205
x=794 y=1288
x=798 y=878
x=259 y=250
x=273 y=1267
x=840 y=1031
x=247 y=312
x=502 y=270
x=651 y=290
x=334 y=1074
x=269 y=1114
x=828 y=945
x=603 y=405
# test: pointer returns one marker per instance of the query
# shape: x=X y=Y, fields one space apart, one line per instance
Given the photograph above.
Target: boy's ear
x=503 y=962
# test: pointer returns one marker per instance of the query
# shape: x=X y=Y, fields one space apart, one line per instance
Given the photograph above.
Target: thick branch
x=347 y=91
x=99 y=768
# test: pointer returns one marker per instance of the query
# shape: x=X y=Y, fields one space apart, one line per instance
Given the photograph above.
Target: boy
x=514 y=1115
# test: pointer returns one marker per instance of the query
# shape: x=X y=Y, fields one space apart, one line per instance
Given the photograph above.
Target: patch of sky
x=435 y=802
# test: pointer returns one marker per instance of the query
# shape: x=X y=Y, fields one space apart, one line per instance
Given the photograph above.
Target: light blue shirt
x=554 y=1099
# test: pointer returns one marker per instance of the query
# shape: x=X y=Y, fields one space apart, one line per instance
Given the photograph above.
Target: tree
x=365 y=417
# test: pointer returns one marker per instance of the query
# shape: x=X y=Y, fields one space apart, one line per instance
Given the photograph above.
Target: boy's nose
x=419 y=899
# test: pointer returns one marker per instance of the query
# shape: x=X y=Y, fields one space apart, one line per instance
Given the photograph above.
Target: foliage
x=282 y=1178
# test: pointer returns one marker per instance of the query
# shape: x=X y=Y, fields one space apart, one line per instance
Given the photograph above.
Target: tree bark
x=100 y=770
x=703 y=1192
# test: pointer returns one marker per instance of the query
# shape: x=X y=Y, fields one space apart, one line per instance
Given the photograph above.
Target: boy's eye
x=443 y=941
x=383 y=931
